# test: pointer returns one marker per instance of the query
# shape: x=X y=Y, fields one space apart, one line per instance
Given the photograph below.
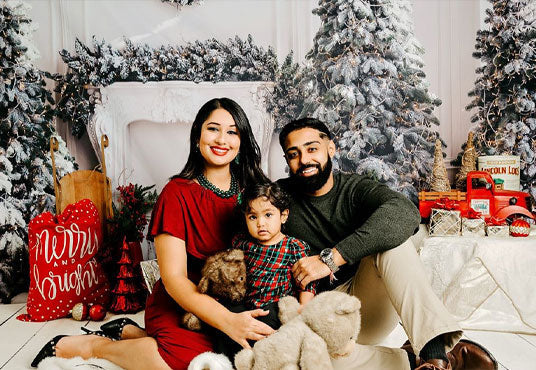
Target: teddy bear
x=223 y=277
x=326 y=328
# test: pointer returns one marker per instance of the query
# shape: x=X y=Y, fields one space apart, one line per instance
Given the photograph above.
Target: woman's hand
x=243 y=326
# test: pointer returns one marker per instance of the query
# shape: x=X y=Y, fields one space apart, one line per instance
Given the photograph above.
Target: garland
x=183 y=2
x=102 y=65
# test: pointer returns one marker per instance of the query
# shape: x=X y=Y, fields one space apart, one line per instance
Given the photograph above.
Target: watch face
x=325 y=253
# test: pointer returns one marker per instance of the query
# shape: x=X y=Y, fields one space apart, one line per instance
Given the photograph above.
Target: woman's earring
x=197 y=147
x=237 y=159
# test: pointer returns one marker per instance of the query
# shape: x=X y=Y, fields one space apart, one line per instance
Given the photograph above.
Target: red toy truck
x=482 y=196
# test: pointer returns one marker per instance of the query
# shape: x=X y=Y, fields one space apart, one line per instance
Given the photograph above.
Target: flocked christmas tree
x=26 y=187
x=126 y=295
x=505 y=90
x=365 y=80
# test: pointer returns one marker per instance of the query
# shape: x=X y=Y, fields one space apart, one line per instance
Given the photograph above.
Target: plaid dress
x=269 y=267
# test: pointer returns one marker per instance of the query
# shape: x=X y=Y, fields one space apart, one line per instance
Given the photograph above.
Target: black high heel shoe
x=100 y=333
x=114 y=328
x=49 y=350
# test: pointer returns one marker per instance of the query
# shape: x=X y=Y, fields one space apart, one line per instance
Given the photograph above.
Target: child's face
x=264 y=221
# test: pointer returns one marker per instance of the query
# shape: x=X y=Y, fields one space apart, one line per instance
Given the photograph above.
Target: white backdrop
x=446 y=28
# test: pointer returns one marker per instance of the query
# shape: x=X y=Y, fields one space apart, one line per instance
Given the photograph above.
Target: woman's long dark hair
x=248 y=171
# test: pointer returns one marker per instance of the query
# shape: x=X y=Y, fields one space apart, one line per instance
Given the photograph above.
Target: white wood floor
x=20 y=341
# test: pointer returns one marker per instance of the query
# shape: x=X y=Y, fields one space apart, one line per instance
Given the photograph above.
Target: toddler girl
x=269 y=253
x=269 y=256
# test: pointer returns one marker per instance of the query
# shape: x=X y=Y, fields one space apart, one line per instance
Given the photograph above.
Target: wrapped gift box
x=473 y=226
x=444 y=222
x=498 y=230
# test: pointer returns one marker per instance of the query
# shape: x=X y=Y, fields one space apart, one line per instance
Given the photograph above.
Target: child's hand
x=304 y=298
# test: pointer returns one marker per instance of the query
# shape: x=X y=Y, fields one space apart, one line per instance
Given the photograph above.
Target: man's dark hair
x=298 y=124
x=269 y=190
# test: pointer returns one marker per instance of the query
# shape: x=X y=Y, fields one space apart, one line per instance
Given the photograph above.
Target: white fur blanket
x=56 y=363
x=205 y=361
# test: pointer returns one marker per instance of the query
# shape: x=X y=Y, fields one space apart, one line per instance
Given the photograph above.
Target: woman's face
x=219 y=142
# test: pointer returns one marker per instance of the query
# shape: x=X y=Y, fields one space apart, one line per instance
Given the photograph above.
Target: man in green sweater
x=359 y=232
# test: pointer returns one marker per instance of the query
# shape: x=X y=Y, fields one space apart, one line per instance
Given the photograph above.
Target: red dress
x=206 y=223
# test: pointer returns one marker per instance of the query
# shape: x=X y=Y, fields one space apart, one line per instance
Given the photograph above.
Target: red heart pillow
x=63 y=268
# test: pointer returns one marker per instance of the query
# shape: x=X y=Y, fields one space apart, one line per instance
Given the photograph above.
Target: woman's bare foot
x=78 y=345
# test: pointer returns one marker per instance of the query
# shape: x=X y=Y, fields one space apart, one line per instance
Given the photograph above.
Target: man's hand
x=309 y=269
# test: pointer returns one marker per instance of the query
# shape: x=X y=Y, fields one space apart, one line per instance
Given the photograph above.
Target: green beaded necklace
x=222 y=194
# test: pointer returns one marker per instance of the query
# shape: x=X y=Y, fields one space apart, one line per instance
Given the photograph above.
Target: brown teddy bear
x=223 y=277
x=326 y=328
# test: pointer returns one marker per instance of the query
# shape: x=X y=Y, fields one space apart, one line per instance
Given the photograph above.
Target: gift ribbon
x=446 y=203
x=472 y=214
x=495 y=221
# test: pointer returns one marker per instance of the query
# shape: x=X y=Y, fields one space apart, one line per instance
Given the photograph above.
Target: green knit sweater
x=358 y=216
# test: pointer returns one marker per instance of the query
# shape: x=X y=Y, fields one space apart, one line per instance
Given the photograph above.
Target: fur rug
x=56 y=363
x=205 y=361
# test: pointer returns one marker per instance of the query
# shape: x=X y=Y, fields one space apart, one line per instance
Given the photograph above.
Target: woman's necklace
x=221 y=193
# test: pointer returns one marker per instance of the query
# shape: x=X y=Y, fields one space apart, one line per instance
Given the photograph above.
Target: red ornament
x=79 y=311
x=97 y=312
x=520 y=227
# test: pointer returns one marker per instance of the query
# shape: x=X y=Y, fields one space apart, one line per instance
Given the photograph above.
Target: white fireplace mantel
x=140 y=119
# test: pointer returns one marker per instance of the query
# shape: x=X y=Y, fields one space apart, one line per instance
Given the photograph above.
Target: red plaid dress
x=269 y=268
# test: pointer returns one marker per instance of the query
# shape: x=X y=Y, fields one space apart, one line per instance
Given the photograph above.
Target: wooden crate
x=435 y=195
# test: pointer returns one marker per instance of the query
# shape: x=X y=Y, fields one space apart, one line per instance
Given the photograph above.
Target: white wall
x=446 y=28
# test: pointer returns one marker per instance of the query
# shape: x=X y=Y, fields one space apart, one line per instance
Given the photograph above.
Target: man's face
x=308 y=153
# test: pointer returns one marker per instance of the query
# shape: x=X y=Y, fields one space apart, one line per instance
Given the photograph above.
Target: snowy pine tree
x=505 y=90
x=365 y=80
x=26 y=187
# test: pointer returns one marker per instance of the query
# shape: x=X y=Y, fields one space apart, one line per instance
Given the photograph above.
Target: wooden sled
x=78 y=185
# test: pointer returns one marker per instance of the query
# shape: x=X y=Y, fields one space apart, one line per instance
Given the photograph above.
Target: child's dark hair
x=270 y=190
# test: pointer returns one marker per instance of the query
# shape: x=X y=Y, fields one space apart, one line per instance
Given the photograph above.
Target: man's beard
x=310 y=184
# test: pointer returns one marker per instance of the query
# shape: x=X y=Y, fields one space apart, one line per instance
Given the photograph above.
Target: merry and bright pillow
x=63 y=268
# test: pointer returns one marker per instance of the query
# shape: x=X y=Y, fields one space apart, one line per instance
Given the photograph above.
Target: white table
x=487 y=283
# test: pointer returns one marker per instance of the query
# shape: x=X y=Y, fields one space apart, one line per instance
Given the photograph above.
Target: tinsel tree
x=440 y=179
x=505 y=90
x=468 y=164
x=102 y=65
x=26 y=186
x=365 y=80
x=127 y=295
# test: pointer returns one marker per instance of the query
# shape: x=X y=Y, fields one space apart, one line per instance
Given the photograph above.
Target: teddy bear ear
x=203 y=285
x=348 y=306
x=233 y=255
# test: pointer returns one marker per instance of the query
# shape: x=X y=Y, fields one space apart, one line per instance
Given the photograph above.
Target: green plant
x=130 y=214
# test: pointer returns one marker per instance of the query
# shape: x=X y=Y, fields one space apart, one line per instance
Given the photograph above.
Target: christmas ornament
x=519 y=228
x=97 y=312
x=80 y=311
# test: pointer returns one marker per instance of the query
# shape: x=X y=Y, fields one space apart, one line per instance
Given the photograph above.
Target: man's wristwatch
x=326 y=256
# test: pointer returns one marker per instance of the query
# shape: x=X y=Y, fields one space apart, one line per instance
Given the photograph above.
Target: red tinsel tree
x=126 y=295
x=126 y=229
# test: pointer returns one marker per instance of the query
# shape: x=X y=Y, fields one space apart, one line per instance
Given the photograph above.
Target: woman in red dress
x=193 y=218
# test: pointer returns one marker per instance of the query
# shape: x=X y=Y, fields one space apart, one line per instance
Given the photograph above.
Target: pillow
x=63 y=267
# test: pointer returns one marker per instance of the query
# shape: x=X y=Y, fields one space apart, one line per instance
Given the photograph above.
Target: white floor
x=20 y=341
